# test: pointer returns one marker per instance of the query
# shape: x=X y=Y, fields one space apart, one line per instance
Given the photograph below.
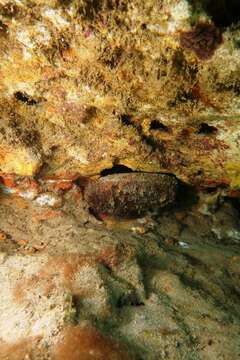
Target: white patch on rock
x=26 y=54
x=42 y=34
x=78 y=154
x=178 y=17
x=55 y=17
x=23 y=37
x=183 y=244
x=49 y=199
x=181 y=11
x=28 y=194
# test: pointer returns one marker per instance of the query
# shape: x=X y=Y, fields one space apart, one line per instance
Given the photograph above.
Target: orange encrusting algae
x=88 y=344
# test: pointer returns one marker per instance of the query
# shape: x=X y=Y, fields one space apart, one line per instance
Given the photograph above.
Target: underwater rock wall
x=88 y=85
x=119 y=161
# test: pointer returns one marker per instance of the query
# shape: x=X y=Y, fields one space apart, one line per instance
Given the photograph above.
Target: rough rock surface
x=105 y=107
x=77 y=288
x=86 y=85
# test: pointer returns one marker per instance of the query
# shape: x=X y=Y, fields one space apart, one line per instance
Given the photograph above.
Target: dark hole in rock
x=116 y=169
x=157 y=125
x=211 y=190
x=131 y=300
x=235 y=203
x=206 y=129
x=223 y=12
x=98 y=217
x=21 y=96
x=3 y=28
x=186 y=196
x=126 y=120
x=155 y=144
x=199 y=173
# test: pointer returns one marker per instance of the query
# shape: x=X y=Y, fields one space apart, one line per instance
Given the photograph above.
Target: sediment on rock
x=144 y=287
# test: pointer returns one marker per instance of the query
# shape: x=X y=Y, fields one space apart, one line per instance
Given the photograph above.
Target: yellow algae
x=233 y=172
x=19 y=161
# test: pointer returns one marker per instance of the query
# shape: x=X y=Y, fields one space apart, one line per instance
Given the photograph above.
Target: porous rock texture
x=152 y=85
x=110 y=109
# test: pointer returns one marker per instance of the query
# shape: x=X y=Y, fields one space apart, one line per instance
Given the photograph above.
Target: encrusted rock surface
x=109 y=110
x=86 y=85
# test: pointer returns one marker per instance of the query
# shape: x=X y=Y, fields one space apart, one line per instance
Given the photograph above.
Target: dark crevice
x=186 y=196
x=210 y=190
x=22 y=96
x=116 y=169
x=157 y=125
x=235 y=203
x=222 y=12
x=206 y=129
x=149 y=140
x=3 y=29
x=126 y=120
x=153 y=143
x=96 y=215
x=131 y=300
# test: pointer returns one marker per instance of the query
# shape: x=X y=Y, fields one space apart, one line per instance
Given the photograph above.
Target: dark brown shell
x=131 y=194
x=203 y=39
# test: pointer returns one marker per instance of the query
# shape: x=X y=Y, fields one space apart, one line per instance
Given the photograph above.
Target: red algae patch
x=88 y=344
x=203 y=39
